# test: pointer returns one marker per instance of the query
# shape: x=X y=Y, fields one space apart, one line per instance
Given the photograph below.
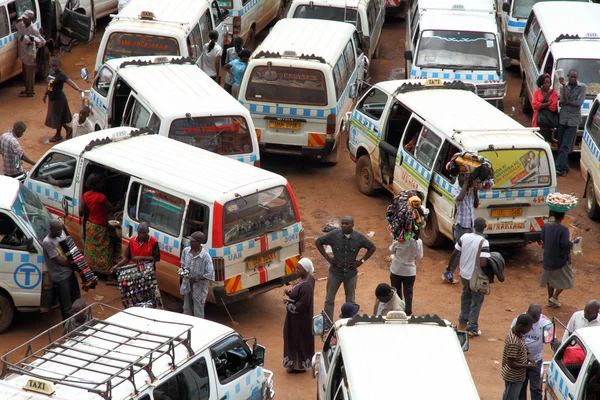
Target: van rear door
x=76 y=25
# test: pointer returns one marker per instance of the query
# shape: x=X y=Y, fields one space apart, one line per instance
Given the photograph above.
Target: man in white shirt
x=468 y=248
x=81 y=124
x=584 y=318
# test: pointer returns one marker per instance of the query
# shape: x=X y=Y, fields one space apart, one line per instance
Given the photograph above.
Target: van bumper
x=304 y=151
x=514 y=238
x=222 y=297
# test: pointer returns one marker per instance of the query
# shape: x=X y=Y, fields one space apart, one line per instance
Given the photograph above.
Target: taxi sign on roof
x=290 y=53
x=433 y=82
x=147 y=15
x=39 y=386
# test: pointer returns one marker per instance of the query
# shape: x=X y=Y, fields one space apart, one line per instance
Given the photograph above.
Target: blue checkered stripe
x=417 y=167
x=248 y=381
x=288 y=111
x=95 y=99
x=48 y=192
x=589 y=142
x=163 y=239
x=366 y=122
x=587 y=104
x=249 y=158
x=516 y=24
x=250 y=244
x=456 y=76
x=245 y=9
x=554 y=381
x=502 y=194
x=13 y=37
x=9 y=256
x=444 y=184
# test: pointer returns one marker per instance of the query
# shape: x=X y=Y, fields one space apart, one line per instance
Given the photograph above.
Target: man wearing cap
x=349 y=310
x=142 y=248
x=29 y=40
x=198 y=266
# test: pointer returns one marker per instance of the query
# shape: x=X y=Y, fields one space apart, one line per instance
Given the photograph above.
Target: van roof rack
x=158 y=61
x=107 y=140
x=122 y=350
x=427 y=319
x=564 y=36
x=268 y=54
x=114 y=17
x=454 y=85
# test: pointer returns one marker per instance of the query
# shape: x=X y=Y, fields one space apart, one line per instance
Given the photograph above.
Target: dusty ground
x=328 y=193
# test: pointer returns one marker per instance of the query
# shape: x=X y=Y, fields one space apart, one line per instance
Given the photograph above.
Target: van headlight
x=493 y=92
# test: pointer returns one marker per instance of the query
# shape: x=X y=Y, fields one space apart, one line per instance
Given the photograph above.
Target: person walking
x=514 y=358
x=198 y=265
x=583 y=318
x=211 y=57
x=386 y=300
x=12 y=153
x=232 y=53
x=343 y=266
x=29 y=40
x=403 y=270
x=59 y=114
x=81 y=125
x=544 y=98
x=238 y=68
x=534 y=342
x=557 y=272
x=298 y=341
x=572 y=96
x=470 y=247
x=466 y=200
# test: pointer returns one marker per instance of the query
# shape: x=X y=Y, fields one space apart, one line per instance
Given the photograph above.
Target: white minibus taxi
x=176 y=99
x=457 y=41
x=402 y=134
x=589 y=162
x=161 y=28
x=248 y=18
x=553 y=47
x=248 y=215
x=366 y=15
x=300 y=82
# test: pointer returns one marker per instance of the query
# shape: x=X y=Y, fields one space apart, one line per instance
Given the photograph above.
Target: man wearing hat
x=198 y=265
x=29 y=40
x=349 y=310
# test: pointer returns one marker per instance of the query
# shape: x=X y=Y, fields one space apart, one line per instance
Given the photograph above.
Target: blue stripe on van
x=457 y=76
x=247 y=7
x=517 y=24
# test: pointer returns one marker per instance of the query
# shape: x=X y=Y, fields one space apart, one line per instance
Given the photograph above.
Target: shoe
x=554 y=301
x=447 y=277
x=55 y=139
x=473 y=333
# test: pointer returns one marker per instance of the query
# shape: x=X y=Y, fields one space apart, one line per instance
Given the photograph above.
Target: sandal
x=23 y=94
x=554 y=301
x=55 y=139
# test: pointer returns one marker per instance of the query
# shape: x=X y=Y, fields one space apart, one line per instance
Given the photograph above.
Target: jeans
x=470 y=306
x=404 y=288
x=565 y=139
x=67 y=292
x=333 y=284
x=458 y=231
x=511 y=390
x=533 y=376
x=192 y=306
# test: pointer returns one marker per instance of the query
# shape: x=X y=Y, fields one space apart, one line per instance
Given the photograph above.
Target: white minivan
x=589 y=162
x=247 y=18
x=177 y=100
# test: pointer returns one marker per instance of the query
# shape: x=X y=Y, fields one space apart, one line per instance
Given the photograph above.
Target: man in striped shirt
x=515 y=360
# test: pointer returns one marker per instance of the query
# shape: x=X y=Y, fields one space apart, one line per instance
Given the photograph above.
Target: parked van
x=457 y=41
x=300 y=82
x=248 y=18
x=101 y=8
x=177 y=100
x=137 y=354
x=589 y=162
x=403 y=133
x=363 y=356
x=161 y=28
x=553 y=47
x=366 y=15
x=248 y=215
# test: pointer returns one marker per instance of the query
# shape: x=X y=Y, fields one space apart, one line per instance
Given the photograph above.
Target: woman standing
x=211 y=56
x=403 y=271
x=59 y=114
x=543 y=98
x=298 y=341
x=557 y=272
x=233 y=53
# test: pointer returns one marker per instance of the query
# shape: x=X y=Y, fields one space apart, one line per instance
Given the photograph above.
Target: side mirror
x=84 y=74
x=505 y=61
x=318 y=325
x=366 y=43
x=408 y=56
x=548 y=332
x=258 y=355
x=352 y=91
x=463 y=339
x=506 y=7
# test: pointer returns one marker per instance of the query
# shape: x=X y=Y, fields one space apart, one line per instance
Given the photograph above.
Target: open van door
x=75 y=24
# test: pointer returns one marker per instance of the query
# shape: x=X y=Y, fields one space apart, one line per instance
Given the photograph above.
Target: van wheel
x=525 y=103
x=365 y=179
x=593 y=210
x=430 y=234
x=251 y=39
x=44 y=69
x=7 y=312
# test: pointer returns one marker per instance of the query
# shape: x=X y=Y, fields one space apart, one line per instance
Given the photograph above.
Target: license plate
x=507 y=212
x=261 y=259
x=284 y=125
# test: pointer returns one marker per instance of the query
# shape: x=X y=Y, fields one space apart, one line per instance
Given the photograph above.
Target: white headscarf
x=307 y=265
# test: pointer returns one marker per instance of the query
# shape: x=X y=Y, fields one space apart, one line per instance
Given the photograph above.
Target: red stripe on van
x=217 y=234
x=61 y=213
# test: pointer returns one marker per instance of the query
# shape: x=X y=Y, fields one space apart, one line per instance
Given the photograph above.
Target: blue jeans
x=511 y=390
x=565 y=139
x=533 y=376
x=458 y=232
x=470 y=306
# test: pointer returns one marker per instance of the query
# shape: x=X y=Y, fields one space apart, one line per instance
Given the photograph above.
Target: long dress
x=298 y=340
x=98 y=249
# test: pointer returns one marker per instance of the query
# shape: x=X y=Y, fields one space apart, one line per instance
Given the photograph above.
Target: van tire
x=250 y=39
x=525 y=103
x=591 y=204
x=7 y=312
x=430 y=234
x=365 y=179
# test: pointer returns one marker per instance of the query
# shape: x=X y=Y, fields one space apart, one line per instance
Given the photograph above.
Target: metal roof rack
x=140 y=19
x=114 y=357
x=107 y=140
x=173 y=61
x=365 y=318
x=268 y=54
x=427 y=319
x=454 y=85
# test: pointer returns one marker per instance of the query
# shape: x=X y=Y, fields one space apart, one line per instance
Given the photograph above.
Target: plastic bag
x=577 y=247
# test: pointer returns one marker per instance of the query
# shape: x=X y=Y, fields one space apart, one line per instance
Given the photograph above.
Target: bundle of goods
x=406 y=215
x=138 y=286
x=77 y=261
x=479 y=168
x=561 y=202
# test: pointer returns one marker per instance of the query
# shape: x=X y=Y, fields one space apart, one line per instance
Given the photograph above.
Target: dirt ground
x=325 y=194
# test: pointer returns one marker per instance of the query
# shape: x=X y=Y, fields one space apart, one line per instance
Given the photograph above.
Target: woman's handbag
x=546 y=118
x=479 y=283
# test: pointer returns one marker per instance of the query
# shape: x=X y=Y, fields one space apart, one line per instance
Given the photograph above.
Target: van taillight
x=257 y=163
x=219 y=267
x=237 y=25
x=331 y=119
x=301 y=242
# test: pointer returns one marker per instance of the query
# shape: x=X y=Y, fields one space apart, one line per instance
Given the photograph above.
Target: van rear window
x=519 y=168
x=122 y=44
x=328 y=13
x=289 y=85
x=222 y=135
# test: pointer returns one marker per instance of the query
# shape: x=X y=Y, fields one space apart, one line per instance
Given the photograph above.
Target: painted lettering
x=505 y=226
x=234 y=256
x=408 y=179
x=291 y=238
x=165 y=247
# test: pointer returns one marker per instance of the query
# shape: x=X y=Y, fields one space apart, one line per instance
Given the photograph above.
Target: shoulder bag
x=546 y=118
x=479 y=282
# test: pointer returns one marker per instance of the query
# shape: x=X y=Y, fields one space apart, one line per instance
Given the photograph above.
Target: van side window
x=132 y=201
x=139 y=116
x=357 y=43
x=232 y=357
x=448 y=150
x=427 y=147
x=396 y=124
x=373 y=104
x=154 y=123
x=340 y=77
x=549 y=64
x=339 y=377
x=415 y=38
x=570 y=358
x=194 y=43
x=103 y=80
x=350 y=59
x=532 y=30
x=4 y=30
x=593 y=123
x=216 y=12
x=205 y=27
x=11 y=236
x=17 y=8
x=540 y=52
x=411 y=136
x=196 y=219
x=192 y=383
x=57 y=169
x=329 y=347
x=162 y=211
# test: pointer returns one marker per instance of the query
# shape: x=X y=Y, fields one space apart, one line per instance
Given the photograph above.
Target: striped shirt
x=464 y=208
x=514 y=347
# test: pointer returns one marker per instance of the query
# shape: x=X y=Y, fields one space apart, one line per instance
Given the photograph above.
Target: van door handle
x=375 y=130
x=324 y=389
x=69 y=198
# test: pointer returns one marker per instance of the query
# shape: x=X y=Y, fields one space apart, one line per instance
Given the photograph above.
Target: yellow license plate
x=507 y=212
x=261 y=259
x=284 y=125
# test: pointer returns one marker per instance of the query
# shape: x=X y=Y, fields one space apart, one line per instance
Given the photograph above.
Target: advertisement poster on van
x=518 y=168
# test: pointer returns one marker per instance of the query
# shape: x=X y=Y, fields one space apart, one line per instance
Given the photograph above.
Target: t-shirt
x=209 y=59
x=238 y=68
x=56 y=82
x=468 y=245
x=557 y=246
x=52 y=250
x=230 y=55
x=406 y=255
x=514 y=347
x=95 y=204
x=81 y=129
x=534 y=341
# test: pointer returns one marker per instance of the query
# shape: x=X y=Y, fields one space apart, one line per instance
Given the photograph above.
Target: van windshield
x=522 y=8
x=461 y=50
x=287 y=85
x=588 y=72
x=328 y=13
x=122 y=44
x=257 y=214
x=31 y=212
x=519 y=168
x=222 y=135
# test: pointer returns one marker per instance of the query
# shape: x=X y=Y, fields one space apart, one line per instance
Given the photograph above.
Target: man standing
x=142 y=248
x=514 y=358
x=466 y=201
x=29 y=40
x=343 y=266
x=64 y=282
x=81 y=125
x=11 y=150
x=534 y=342
x=199 y=272
x=470 y=301
x=583 y=318
x=571 y=98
